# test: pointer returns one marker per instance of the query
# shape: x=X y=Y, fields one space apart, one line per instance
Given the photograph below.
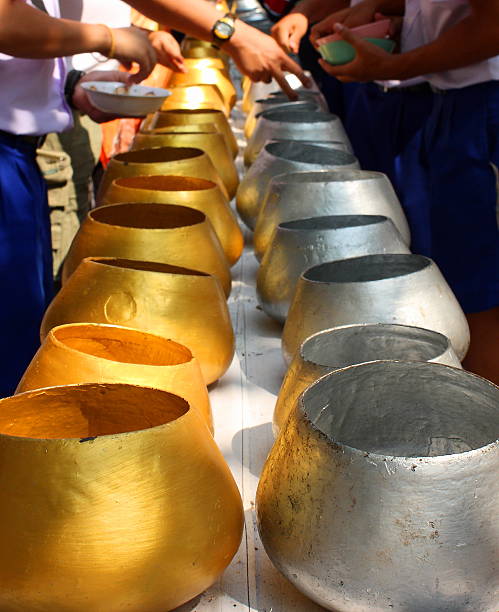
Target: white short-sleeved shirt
x=33 y=101
x=431 y=19
x=113 y=13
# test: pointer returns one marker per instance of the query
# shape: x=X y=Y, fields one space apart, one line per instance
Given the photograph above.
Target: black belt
x=35 y=141
x=420 y=88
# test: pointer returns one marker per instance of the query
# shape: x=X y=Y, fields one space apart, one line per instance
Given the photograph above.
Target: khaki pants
x=67 y=161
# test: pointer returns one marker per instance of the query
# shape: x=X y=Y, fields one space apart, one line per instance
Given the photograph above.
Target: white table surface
x=243 y=402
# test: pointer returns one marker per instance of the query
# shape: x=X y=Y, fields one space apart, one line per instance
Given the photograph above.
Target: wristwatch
x=223 y=28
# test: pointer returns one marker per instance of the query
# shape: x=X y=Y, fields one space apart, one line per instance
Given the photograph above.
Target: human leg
x=25 y=259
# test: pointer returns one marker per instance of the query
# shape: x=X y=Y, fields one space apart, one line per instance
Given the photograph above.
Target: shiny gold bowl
x=188 y=191
x=94 y=352
x=185 y=305
x=198 y=52
x=195 y=97
x=207 y=76
x=204 y=136
x=114 y=497
x=200 y=63
x=180 y=161
x=174 y=235
x=164 y=119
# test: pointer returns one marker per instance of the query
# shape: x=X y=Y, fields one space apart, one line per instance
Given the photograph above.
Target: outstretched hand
x=167 y=50
x=261 y=58
x=289 y=31
x=371 y=63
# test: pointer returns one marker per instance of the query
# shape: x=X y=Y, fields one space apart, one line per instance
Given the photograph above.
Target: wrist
x=106 y=44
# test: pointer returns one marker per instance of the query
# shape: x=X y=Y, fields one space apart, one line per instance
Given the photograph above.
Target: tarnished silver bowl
x=309 y=103
x=339 y=347
x=326 y=192
x=281 y=158
x=293 y=125
x=300 y=244
x=406 y=289
x=381 y=492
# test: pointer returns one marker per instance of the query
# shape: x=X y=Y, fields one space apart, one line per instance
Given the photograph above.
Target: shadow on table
x=260 y=440
x=190 y=606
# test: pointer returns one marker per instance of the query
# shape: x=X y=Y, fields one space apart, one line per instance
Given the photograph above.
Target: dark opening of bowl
x=329 y=176
x=341 y=347
x=146 y=215
x=297 y=151
x=332 y=222
x=367 y=268
x=157 y=154
x=404 y=409
x=298 y=116
x=165 y=183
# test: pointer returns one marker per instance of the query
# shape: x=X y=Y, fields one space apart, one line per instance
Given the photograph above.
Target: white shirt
x=113 y=13
x=32 y=93
x=432 y=18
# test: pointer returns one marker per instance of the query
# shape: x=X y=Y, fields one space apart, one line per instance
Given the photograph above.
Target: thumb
x=348 y=35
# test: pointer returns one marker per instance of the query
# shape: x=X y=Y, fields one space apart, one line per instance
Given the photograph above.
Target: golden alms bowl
x=203 y=136
x=114 y=497
x=188 y=191
x=160 y=233
x=186 y=305
x=181 y=161
x=94 y=352
x=200 y=63
x=197 y=52
x=207 y=76
x=194 y=97
x=185 y=116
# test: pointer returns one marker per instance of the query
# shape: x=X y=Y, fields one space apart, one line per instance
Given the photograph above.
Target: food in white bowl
x=125 y=100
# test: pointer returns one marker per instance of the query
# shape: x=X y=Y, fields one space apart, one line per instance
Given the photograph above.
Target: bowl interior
x=165 y=183
x=87 y=411
x=309 y=114
x=144 y=266
x=332 y=222
x=299 y=152
x=156 y=155
x=328 y=176
x=121 y=344
x=147 y=215
x=404 y=409
x=344 y=346
x=367 y=268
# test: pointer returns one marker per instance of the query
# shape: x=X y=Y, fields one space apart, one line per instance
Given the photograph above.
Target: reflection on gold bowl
x=181 y=161
x=197 y=52
x=114 y=497
x=194 y=97
x=207 y=76
x=200 y=63
x=92 y=352
x=185 y=305
x=188 y=191
x=174 y=235
x=164 y=119
x=203 y=136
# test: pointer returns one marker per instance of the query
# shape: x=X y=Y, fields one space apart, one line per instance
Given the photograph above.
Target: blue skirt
x=25 y=259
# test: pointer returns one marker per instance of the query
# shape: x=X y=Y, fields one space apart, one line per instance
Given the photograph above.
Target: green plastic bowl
x=340 y=52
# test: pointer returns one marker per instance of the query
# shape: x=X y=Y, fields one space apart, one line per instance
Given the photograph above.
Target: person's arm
x=256 y=54
x=357 y=15
x=289 y=30
x=472 y=40
x=31 y=33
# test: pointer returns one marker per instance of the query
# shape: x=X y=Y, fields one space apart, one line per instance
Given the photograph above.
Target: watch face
x=223 y=30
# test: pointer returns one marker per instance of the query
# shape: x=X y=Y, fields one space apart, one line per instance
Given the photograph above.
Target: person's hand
x=352 y=17
x=167 y=50
x=81 y=101
x=260 y=57
x=371 y=63
x=132 y=45
x=289 y=31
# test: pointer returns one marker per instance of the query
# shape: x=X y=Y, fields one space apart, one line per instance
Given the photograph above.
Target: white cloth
x=433 y=17
x=113 y=13
x=32 y=95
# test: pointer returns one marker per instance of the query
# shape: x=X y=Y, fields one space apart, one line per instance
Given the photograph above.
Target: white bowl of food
x=125 y=100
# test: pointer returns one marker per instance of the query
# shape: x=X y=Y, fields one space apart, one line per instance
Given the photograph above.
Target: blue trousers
x=438 y=150
x=25 y=258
